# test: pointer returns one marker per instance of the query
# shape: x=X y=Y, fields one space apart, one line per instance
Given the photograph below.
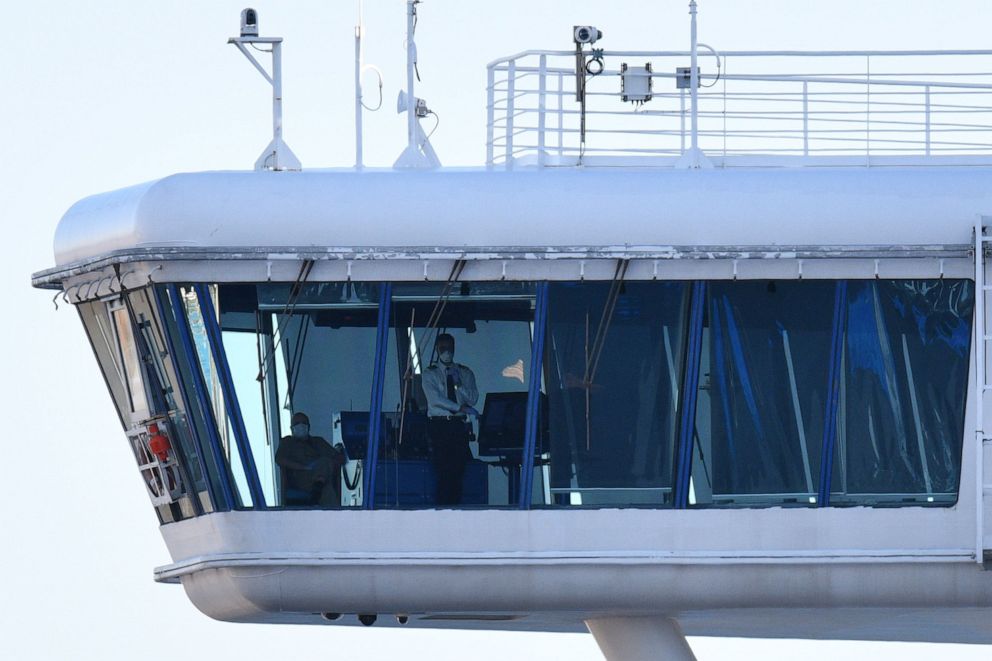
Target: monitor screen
x=355 y=433
x=503 y=424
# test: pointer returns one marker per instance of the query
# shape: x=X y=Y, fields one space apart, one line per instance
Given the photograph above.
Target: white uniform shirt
x=435 y=384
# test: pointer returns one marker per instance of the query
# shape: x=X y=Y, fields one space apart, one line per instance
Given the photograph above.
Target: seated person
x=311 y=467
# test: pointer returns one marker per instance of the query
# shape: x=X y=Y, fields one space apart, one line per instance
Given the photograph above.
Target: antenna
x=360 y=69
x=694 y=158
x=277 y=155
x=418 y=152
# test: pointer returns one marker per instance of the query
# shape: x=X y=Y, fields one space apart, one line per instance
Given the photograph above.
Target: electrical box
x=636 y=83
x=683 y=78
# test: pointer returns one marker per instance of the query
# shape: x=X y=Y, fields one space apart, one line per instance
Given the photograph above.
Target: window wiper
x=287 y=311
x=599 y=341
x=432 y=321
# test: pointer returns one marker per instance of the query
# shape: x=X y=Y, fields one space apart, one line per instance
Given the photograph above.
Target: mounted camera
x=586 y=34
x=249 y=23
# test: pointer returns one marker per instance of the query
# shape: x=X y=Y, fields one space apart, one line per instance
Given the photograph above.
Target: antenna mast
x=418 y=152
x=694 y=158
x=277 y=155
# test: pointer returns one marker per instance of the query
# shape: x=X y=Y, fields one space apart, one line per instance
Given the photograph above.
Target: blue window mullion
x=375 y=403
x=230 y=396
x=184 y=394
x=833 y=393
x=200 y=389
x=690 y=393
x=533 y=396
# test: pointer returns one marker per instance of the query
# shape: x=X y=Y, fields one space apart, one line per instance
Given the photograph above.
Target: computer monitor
x=503 y=423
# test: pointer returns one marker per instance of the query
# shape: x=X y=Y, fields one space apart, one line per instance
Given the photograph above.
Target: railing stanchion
x=981 y=377
x=927 y=108
x=561 y=115
x=682 y=121
x=724 y=113
x=541 y=107
x=805 y=118
x=867 y=110
x=490 y=113
x=511 y=77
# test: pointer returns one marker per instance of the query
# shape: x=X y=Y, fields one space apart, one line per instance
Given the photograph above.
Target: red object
x=158 y=443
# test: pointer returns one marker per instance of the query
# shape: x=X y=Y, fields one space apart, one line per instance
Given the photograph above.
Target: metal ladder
x=983 y=298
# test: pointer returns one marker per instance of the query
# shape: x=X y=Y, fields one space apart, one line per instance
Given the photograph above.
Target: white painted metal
x=277 y=155
x=981 y=334
x=359 y=29
x=856 y=107
x=637 y=577
x=640 y=639
x=694 y=158
x=859 y=573
x=418 y=153
x=532 y=212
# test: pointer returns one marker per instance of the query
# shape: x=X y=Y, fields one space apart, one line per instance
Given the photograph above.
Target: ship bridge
x=713 y=388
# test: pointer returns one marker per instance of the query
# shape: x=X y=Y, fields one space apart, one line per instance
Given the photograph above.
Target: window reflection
x=904 y=368
x=809 y=393
x=614 y=358
x=760 y=407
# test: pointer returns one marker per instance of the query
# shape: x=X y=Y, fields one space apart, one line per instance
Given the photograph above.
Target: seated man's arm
x=292 y=455
x=332 y=453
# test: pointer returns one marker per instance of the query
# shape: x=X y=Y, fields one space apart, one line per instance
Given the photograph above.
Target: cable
x=437 y=122
x=379 y=76
x=718 y=67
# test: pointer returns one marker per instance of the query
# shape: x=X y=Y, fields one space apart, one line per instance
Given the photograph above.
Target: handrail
x=858 y=107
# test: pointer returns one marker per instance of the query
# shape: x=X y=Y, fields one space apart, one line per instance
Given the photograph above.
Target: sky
x=104 y=94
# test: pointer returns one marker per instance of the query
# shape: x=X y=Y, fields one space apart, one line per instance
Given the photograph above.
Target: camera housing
x=249 y=22
x=586 y=34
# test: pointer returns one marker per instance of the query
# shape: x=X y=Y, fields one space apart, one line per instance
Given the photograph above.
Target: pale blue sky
x=102 y=94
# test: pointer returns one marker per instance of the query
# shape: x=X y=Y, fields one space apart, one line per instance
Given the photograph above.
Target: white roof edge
x=477 y=209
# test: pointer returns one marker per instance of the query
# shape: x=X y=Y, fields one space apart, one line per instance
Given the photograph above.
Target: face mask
x=446 y=356
x=301 y=431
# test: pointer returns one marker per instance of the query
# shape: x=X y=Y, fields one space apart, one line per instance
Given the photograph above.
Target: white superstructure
x=783 y=439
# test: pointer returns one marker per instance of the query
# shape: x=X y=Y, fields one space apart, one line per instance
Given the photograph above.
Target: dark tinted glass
x=759 y=417
x=613 y=365
x=904 y=380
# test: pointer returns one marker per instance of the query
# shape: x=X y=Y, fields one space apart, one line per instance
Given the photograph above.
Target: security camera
x=586 y=34
x=249 y=22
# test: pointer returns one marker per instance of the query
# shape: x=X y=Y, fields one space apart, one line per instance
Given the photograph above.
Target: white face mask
x=301 y=430
x=446 y=357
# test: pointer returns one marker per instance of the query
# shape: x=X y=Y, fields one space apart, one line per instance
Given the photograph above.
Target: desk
x=412 y=483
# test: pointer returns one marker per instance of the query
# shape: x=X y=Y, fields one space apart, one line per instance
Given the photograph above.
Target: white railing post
x=805 y=118
x=867 y=110
x=725 y=113
x=980 y=379
x=561 y=115
x=510 y=93
x=490 y=112
x=927 y=105
x=682 y=121
x=541 y=107
x=694 y=79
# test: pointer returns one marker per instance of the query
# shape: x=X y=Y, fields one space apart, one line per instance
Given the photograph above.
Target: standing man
x=311 y=468
x=451 y=396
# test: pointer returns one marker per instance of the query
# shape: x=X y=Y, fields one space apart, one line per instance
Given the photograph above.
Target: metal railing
x=762 y=108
